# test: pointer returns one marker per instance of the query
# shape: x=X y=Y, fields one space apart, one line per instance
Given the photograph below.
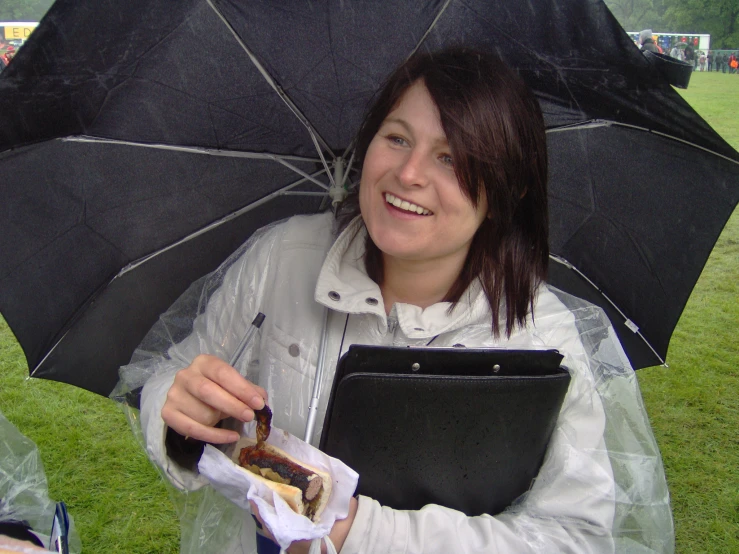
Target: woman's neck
x=421 y=283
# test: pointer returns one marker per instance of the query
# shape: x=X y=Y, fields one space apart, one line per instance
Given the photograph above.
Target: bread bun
x=292 y=495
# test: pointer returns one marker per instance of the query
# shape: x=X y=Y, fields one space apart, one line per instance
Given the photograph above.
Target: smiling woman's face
x=409 y=195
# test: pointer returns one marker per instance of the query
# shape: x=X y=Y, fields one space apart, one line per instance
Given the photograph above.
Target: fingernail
x=257 y=402
x=247 y=416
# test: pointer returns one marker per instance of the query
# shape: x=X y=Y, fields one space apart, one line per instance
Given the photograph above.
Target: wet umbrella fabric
x=142 y=141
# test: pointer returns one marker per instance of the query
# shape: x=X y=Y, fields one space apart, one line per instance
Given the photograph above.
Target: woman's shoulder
x=312 y=230
x=552 y=302
x=308 y=232
x=555 y=309
x=309 y=229
x=562 y=316
x=548 y=305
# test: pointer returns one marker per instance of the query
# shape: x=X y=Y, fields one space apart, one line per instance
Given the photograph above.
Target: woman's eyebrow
x=399 y=121
x=441 y=139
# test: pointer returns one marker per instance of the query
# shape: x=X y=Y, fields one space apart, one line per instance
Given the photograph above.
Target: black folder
x=460 y=427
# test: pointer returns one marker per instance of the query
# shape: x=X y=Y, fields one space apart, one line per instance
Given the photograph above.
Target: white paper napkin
x=240 y=486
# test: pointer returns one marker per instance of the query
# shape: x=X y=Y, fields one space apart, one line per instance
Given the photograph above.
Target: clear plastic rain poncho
x=24 y=492
x=601 y=487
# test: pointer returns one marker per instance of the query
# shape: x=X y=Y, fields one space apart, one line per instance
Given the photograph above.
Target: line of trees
x=719 y=18
x=23 y=10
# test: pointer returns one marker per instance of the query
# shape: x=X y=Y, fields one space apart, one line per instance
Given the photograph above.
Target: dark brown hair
x=496 y=135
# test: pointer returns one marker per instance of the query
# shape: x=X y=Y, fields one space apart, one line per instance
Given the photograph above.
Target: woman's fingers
x=182 y=402
x=188 y=427
x=217 y=384
x=205 y=400
x=231 y=381
x=205 y=392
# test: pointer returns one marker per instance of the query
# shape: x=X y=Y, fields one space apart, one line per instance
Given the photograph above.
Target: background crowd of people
x=707 y=61
x=721 y=61
x=700 y=60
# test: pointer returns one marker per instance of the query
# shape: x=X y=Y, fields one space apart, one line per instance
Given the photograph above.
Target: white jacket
x=575 y=504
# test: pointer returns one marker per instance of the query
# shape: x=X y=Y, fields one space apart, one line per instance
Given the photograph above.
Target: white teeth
x=405 y=205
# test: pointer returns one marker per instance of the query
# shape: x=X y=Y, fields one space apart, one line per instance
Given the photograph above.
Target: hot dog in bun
x=305 y=489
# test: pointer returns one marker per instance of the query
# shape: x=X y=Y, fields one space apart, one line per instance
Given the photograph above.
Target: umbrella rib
x=286 y=190
x=594 y=123
x=694 y=146
x=191 y=149
x=215 y=152
x=348 y=169
x=591 y=124
x=627 y=322
x=431 y=27
x=303 y=173
x=315 y=137
x=280 y=192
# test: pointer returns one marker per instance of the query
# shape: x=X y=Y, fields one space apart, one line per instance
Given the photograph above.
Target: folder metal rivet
x=416 y=367
x=496 y=368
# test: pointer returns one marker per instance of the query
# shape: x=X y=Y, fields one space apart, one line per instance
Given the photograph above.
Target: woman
x=446 y=244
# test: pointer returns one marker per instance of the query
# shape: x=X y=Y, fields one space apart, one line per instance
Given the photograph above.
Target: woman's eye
x=399 y=141
x=446 y=159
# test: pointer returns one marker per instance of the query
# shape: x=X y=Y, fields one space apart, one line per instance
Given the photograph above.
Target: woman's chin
x=403 y=245
x=402 y=251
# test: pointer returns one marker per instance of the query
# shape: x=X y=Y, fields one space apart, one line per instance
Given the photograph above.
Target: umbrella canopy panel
x=62 y=245
x=149 y=71
x=646 y=201
x=129 y=129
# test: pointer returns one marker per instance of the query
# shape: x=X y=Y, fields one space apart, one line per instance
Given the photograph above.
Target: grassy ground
x=714 y=96
x=120 y=504
x=92 y=461
x=693 y=405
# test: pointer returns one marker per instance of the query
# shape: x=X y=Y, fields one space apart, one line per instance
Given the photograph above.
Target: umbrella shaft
x=313 y=407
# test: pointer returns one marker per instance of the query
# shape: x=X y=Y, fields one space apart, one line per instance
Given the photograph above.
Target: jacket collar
x=343 y=285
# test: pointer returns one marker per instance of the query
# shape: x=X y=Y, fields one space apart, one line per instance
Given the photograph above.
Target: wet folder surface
x=463 y=428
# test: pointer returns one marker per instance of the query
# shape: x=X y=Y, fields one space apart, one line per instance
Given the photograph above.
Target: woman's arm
x=602 y=456
x=210 y=389
x=569 y=509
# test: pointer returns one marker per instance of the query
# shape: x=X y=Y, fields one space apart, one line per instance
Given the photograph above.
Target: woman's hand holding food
x=204 y=393
x=338 y=533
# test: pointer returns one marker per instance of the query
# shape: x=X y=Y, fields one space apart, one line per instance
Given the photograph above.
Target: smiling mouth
x=406 y=206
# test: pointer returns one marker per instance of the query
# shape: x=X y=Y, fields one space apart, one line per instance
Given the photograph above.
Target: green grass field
x=92 y=462
x=120 y=504
x=693 y=405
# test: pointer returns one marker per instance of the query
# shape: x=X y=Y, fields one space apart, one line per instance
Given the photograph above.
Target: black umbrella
x=142 y=140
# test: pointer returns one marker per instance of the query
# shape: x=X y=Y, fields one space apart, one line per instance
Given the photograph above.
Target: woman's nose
x=414 y=170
